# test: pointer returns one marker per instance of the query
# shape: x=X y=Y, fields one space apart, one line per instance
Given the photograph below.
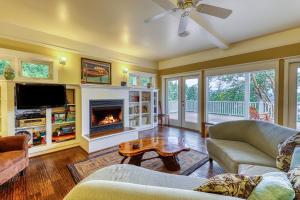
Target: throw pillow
x=230 y=185
x=274 y=186
x=294 y=177
x=286 y=149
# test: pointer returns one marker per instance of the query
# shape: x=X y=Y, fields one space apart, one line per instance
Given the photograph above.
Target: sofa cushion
x=286 y=149
x=294 y=177
x=112 y=190
x=232 y=153
x=138 y=175
x=9 y=158
x=254 y=170
x=274 y=186
x=231 y=185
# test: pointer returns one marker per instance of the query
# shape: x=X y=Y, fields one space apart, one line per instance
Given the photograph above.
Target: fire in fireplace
x=110 y=119
x=106 y=115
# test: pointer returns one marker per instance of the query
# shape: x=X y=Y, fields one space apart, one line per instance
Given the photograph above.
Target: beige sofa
x=247 y=144
x=128 y=182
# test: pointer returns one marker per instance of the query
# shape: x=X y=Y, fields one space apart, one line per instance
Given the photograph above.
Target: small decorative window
x=140 y=80
x=133 y=80
x=144 y=80
x=34 y=69
x=3 y=64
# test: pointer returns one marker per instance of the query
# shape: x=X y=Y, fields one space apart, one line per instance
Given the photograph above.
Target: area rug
x=189 y=162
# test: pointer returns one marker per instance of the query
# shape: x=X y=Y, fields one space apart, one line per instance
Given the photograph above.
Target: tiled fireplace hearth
x=106 y=115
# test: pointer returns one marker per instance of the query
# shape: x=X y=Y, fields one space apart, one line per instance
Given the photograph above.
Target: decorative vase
x=123 y=83
x=9 y=73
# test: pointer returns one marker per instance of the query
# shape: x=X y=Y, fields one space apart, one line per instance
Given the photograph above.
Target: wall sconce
x=125 y=70
x=63 y=60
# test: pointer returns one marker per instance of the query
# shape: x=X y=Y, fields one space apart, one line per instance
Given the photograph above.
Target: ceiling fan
x=186 y=7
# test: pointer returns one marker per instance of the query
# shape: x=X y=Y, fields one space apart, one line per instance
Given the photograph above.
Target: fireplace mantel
x=97 y=92
x=104 y=86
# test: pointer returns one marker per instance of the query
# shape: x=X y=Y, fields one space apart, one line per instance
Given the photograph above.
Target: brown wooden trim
x=268 y=54
x=202 y=97
x=280 y=90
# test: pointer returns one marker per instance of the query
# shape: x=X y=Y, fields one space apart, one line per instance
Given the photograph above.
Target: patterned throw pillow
x=231 y=185
x=286 y=149
x=294 y=177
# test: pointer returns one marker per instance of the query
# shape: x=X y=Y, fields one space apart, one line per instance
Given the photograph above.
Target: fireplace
x=106 y=115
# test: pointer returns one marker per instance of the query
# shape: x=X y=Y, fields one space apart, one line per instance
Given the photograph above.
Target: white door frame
x=289 y=118
x=175 y=122
x=164 y=92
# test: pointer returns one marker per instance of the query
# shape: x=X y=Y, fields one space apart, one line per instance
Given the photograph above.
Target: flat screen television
x=34 y=96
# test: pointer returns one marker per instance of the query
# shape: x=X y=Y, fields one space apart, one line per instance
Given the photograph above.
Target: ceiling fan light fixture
x=185 y=4
x=183 y=34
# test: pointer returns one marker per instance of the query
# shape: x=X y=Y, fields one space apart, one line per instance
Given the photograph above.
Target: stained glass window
x=3 y=64
x=35 y=70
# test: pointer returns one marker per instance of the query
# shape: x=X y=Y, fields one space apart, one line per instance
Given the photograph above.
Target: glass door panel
x=146 y=108
x=298 y=99
x=191 y=102
x=294 y=96
x=173 y=98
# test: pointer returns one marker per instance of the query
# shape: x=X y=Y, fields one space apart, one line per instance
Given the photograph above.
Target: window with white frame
x=248 y=93
x=138 y=79
x=28 y=66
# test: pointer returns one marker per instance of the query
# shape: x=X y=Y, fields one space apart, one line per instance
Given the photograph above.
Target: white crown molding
x=22 y=34
x=252 y=45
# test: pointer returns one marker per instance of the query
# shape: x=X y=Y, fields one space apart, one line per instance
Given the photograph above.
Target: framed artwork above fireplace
x=94 y=71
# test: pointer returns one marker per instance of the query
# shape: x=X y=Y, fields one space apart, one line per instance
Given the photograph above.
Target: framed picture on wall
x=94 y=71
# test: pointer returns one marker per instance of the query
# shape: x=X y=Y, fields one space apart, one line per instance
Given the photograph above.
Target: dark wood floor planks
x=48 y=178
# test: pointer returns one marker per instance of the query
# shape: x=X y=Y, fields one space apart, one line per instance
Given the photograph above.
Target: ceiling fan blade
x=182 y=32
x=196 y=2
x=161 y=15
x=214 y=11
x=165 y=4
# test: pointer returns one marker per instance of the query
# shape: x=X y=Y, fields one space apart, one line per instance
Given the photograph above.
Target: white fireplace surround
x=97 y=92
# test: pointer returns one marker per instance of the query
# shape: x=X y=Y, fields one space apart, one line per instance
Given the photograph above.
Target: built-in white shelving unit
x=143 y=108
x=60 y=128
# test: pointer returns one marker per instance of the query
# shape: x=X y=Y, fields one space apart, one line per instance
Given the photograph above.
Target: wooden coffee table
x=167 y=149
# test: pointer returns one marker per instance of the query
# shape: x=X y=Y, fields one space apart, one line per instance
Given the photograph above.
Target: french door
x=294 y=96
x=182 y=101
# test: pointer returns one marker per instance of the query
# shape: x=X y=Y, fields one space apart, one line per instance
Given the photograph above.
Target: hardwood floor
x=47 y=176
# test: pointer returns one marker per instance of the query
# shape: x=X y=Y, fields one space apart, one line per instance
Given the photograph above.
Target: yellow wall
x=68 y=74
x=71 y=72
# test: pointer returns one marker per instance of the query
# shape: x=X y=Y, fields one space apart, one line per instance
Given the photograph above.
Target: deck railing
x=237 y=108
x=231 y=108
x=190 y=106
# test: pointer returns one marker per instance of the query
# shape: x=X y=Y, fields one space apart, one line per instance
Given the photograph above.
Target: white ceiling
x=118 y=25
